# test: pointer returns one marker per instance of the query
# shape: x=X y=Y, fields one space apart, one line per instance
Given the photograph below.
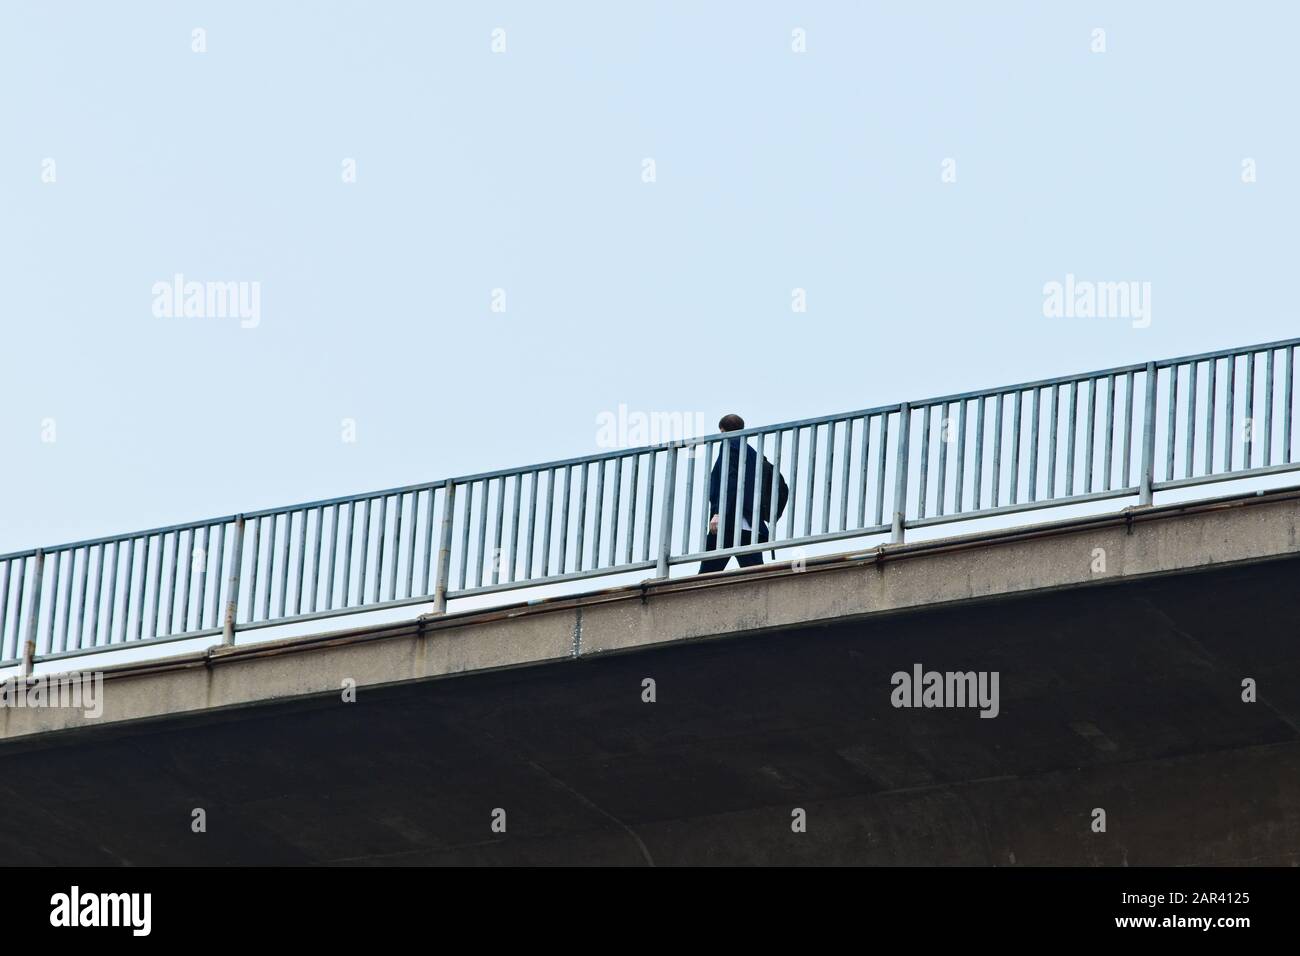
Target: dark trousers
x=744 y=560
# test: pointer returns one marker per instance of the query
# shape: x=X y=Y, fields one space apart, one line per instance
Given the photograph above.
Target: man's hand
x=713 y=525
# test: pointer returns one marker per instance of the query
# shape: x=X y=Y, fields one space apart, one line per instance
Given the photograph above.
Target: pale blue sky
x=523 y=171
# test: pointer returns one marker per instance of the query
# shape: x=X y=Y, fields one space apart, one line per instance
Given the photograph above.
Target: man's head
x=731 y=423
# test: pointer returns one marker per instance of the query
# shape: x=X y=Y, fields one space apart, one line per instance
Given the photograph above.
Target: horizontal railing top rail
x=1129 y=430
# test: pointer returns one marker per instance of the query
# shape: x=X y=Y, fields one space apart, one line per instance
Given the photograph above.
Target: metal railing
x=1122 y=432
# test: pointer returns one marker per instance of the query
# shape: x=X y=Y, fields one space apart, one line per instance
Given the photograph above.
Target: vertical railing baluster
x=775 y=501
x=315 y=557
x=99 y=596
x=302 y=561
x=157 y=586
x=54 y=601
x=1171 y=424
x=347 y=557
x=1051 y=441
x=632 y=490
x=1015 y=447
x=397 y=548
x=380 y=551
x=184 y=560
x=126 y=592
x=284 y=560
x=5 y=619
x=736 y=509
x=864 y=470
x=1148 y=437
x=1000 y=398
x=253 y=580
x=485 y=484
x=647 y=519
x=831 y=429
x=232 y=587
x=334 y=553
x=81 y=600
x=514 y=520
x=617 y=476
x=723 y=489
x=666 y=518
x=216 y=577
x=1129 y=401
x=20 y=634
x=429 y=556
x=29 y=641
x=1090 y=444
x=443 y=574
x=4 y=608
x=924 y=477
x=1071 y=439
x=598 y=524
x=1230 y=424
x=844 y=474
x=497 y=524
x=67 y=596
x=564 y=518
x=881 y=456
x=171 y=582
x=1033 y=445
x=900 y=473
x=546 y=524
x=692 y=455
x=756 y=506
x=793 y=501
x=1248 y=443
x=533 y=478
x=112 y=594
x=363 y=556
x=812 y=480
x=1286 y=407
x=1109 y=455
x=580 y=544
x=1268 y=409
x=140 y=592
x=1211 y=413
x=273 y=523
x=410 y=545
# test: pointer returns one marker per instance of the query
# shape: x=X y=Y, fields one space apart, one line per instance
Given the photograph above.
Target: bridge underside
x=1125 y=697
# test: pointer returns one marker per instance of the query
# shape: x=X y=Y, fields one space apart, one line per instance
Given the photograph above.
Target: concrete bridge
x=525 y=734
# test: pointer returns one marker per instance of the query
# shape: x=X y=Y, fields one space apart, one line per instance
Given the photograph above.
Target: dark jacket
x=753 y=482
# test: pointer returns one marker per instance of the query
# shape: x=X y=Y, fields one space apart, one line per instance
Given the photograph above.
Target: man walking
x=757 y=480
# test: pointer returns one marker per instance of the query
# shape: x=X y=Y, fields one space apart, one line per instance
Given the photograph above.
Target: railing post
x=29 y=644
x=900 y=472
x=232 y=588
x=444 y=548
x=1145 y=491
x=666 y=521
